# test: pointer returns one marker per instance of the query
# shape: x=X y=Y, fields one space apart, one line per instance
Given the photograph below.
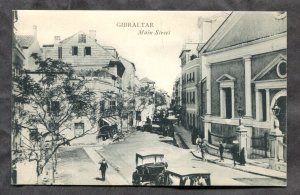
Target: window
x=187 y=97
x=262 y=100
x=227 y=83
x=193 y=97
x=59 y=52
x=138 y=116
x=193 y=78
x=187 y=78
x=78 y=129
x=102 y=106
x=112 y=105
x=87 y=51
x=281 y=69
x=74 y=51
x=228 y=107
x=33 y=134
x=53 y=107
x=187 y=119
x=81 y=38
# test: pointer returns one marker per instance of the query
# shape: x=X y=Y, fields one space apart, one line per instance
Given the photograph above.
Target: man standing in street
x=198 y=143
x=221 y=150
x=103 y=167
x=203 y=150
x=235 y=152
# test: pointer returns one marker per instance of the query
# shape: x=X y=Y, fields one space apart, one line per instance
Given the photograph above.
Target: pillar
x=242 y=138
x=258 y=102
x=222 y=103
x=248 y=97
x=207 y=130
x=207 y=126
x=276 y=137
x=268 y=104
x=208 y=87
x=232 y=102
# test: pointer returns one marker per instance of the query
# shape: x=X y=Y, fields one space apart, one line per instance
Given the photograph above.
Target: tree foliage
x=52 y=99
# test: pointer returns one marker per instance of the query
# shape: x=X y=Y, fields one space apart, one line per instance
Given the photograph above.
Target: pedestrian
x=148 y=120
x=103 y=167
x=221 y=150
x=148 y=124
x=203 y=150
x=235 y=152
x=242 y=157
x=198 y=143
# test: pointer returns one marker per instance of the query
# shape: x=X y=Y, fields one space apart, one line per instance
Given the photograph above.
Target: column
x=258 y=102
x=248 y=97
x=232 y=102
x=207 y=125
x=242 y=138
x=268 y=104
x=222 y=105
x=276 y=140
x=208 y=87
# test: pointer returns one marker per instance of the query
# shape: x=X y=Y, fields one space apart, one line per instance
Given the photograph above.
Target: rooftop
x=25 y=40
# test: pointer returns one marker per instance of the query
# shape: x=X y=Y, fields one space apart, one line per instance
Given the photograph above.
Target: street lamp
x=240 y=113
x=276 y=111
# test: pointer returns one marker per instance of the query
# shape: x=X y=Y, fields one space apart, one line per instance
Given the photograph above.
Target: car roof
x=148 y=153
x=187 y=171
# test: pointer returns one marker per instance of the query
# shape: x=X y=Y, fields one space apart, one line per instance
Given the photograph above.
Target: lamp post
x=276 y=111
x=242 y=132
x=240 y=113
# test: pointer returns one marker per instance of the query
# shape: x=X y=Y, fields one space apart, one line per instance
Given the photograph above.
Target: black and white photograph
x=149 y=98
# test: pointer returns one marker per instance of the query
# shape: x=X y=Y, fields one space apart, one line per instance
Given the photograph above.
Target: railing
x=284 y=148
x=259 y=147
x=215 y=139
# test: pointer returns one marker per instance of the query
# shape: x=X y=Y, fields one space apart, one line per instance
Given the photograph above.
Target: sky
x=155 y=56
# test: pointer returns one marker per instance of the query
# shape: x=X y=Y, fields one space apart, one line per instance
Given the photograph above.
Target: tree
x=160 y=99
x=52 y=99
x=123 y=104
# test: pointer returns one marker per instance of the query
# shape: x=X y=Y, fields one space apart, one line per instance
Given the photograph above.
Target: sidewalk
x=250 y=167
x=112 y=175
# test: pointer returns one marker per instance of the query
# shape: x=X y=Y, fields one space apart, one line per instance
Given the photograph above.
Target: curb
x=115 y=167
x=237 y=168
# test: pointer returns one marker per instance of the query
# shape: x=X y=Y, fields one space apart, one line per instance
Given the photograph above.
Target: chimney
x=56 y=40
x=92 y=34
x=34 y=31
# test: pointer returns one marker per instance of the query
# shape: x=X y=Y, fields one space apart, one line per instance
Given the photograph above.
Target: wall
x=258 y=63
x=234 y=68
x=30 y=61
x=99 y=56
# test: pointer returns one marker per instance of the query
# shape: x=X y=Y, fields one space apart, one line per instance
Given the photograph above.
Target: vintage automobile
x=157 y=126
x=149 y=166
x=107 y=131
x=187 y=177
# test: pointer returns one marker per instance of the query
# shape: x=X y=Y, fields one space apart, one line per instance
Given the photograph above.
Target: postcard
x=149 y=98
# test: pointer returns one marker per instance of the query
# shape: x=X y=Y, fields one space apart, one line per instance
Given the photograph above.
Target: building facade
x=190 y=76
x=246 y=62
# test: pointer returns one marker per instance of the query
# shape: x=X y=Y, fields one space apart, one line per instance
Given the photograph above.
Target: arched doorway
x=281 y=100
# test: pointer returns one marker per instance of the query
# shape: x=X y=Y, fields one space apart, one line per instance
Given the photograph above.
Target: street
x=79 y=165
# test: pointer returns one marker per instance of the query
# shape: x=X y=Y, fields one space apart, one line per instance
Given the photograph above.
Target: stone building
x=190 y=75
x=101 y=66
x=22 y=48
x=193 y=74
x=246 y=61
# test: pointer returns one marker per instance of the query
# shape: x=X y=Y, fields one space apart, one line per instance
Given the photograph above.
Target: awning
x=112 y=120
